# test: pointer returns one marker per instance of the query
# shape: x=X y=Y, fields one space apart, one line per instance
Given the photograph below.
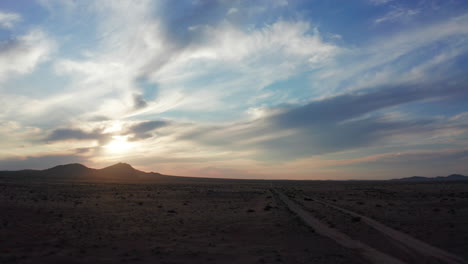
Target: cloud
x=23 y=54
x=64 y=134
x=437 y=156
x=141 y=130
x=40 y=161
x=380 y=2
x=385 y=165
x=232 y=64
x=18 y=138
x=435 y=162
x=129 y=40
x=232 y=10
x=252 y=83
x=134 y=45
x=355 y=104
x=283 y=38
x=199 y=61
x=139 y=102
x=8 y=20
x=397 y=14
x=406 y=56
x=343 y=122
x=215 y=172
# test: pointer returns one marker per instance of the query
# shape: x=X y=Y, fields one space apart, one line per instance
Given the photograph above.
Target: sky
x=280 y=89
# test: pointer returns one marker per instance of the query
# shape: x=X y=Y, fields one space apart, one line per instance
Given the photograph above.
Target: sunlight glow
x=119 y=144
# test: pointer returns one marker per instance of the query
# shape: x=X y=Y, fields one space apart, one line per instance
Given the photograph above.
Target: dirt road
x=402 y=238
x=413 y=246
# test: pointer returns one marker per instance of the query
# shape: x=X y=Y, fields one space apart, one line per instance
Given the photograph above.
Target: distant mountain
x=68 y=170
x=125 y=173
x=120 y=172
x=452 y=177
x=119 y=169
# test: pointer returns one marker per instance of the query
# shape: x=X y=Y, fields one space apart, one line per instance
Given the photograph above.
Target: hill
x=68 y=170
x=120 y=172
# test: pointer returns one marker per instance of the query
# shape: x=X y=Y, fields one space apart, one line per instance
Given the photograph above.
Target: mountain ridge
x=451 y=177
x=76 y=171
x=124 y=172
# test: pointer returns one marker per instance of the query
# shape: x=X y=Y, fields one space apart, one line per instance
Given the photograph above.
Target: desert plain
x=190 y=220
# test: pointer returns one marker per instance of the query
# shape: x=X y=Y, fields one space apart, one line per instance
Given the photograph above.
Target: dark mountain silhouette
x=69 y=170
x=120 y=172
x=455 y=177
x=124 y=172
x=452 y=177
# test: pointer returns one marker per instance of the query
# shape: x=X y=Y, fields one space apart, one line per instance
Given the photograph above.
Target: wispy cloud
x=397 y=14
x=233 y=87
x=22 y=54
x=183 y=71
x=339 y=123
x=397 y=58
x=8 y=19
x=380 y=2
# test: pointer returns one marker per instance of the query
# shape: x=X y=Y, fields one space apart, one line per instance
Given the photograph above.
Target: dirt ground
x=232 y=222
x=434 y=212
x=220 y=221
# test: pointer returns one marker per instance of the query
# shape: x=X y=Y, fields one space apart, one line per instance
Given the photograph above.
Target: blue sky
x=250 y=89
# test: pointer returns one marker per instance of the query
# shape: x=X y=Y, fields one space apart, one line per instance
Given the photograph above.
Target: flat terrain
x=434 y=212
x=222 y=221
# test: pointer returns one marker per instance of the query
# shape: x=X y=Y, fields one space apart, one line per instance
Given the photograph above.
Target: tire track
x=407 y=241
x=368 y=252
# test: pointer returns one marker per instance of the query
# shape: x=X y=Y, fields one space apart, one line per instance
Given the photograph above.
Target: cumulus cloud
x=23 y=54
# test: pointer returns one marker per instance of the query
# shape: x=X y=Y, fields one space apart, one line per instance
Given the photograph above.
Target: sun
x=119 y=144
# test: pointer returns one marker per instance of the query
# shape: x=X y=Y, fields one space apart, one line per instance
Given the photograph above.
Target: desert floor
x=223 y=221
